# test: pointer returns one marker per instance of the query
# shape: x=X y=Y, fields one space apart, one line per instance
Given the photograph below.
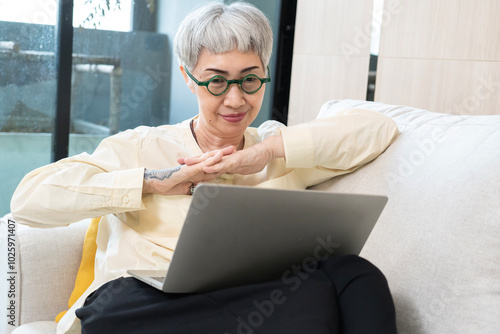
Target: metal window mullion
x=63 y=59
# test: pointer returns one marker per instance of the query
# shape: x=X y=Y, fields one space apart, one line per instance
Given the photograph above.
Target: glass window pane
x=27 y=90
x=121 y=79
x=95 y=14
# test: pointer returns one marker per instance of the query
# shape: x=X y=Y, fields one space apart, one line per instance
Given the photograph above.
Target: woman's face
x=231 y=113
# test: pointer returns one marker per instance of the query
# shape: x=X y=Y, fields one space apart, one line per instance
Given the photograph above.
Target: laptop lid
x=235 y=235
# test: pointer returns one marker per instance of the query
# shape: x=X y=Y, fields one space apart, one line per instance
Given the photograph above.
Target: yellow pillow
x=85 y=275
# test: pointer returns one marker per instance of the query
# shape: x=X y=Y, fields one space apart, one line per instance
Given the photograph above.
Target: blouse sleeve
x=341 y=143
x=82 y=186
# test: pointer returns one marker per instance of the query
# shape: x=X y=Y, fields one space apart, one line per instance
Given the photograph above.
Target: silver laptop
x=236 y=235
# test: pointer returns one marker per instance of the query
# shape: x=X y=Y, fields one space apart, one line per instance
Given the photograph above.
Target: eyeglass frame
x=229 y=82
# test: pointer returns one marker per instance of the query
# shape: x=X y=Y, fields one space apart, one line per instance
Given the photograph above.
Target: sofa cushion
x=37 y=327
x=59 y=249
x=85 y=275
x=438 y=239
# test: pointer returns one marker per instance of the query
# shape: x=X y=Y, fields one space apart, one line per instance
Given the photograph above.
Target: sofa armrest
x=46 y=268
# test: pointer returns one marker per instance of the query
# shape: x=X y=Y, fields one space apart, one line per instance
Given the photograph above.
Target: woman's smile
x=234 y=117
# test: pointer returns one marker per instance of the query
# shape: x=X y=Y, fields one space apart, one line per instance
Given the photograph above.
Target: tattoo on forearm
x=161 y=174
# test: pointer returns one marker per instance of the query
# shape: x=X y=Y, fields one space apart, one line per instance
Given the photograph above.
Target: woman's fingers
x=247 y=161
x=215 y=159
x=189 y=161
x=228 y=150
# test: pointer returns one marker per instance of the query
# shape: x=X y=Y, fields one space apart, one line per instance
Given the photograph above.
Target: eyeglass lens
x=250 y=84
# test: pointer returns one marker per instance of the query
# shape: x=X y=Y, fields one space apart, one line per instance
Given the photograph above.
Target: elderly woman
x=139 y=181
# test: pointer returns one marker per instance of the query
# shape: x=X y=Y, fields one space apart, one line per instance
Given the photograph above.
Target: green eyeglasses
x=218 y=85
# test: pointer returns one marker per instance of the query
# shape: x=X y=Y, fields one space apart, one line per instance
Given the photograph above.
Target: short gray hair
x=220 y=28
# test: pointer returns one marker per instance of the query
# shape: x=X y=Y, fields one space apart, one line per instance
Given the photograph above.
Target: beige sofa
x=437 y=241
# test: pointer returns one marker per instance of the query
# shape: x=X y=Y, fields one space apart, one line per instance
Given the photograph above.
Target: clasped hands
x=211 y=165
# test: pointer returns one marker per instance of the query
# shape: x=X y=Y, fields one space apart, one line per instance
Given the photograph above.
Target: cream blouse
x=140 y=231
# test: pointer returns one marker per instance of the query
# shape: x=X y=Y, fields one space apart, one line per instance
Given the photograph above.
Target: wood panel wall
x=441 y=55
x=331 y=54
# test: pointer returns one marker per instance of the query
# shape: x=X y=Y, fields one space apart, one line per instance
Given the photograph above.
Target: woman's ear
x=187 y=79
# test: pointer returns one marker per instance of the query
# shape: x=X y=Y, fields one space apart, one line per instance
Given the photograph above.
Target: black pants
x=345 y=294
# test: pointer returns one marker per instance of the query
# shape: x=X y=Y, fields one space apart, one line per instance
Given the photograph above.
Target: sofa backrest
x=438 y=239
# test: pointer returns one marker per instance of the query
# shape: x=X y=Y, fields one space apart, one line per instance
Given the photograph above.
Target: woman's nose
x=234 y=96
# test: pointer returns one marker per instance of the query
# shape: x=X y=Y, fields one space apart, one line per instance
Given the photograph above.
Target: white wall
x=442 y=56
x=331 y=54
